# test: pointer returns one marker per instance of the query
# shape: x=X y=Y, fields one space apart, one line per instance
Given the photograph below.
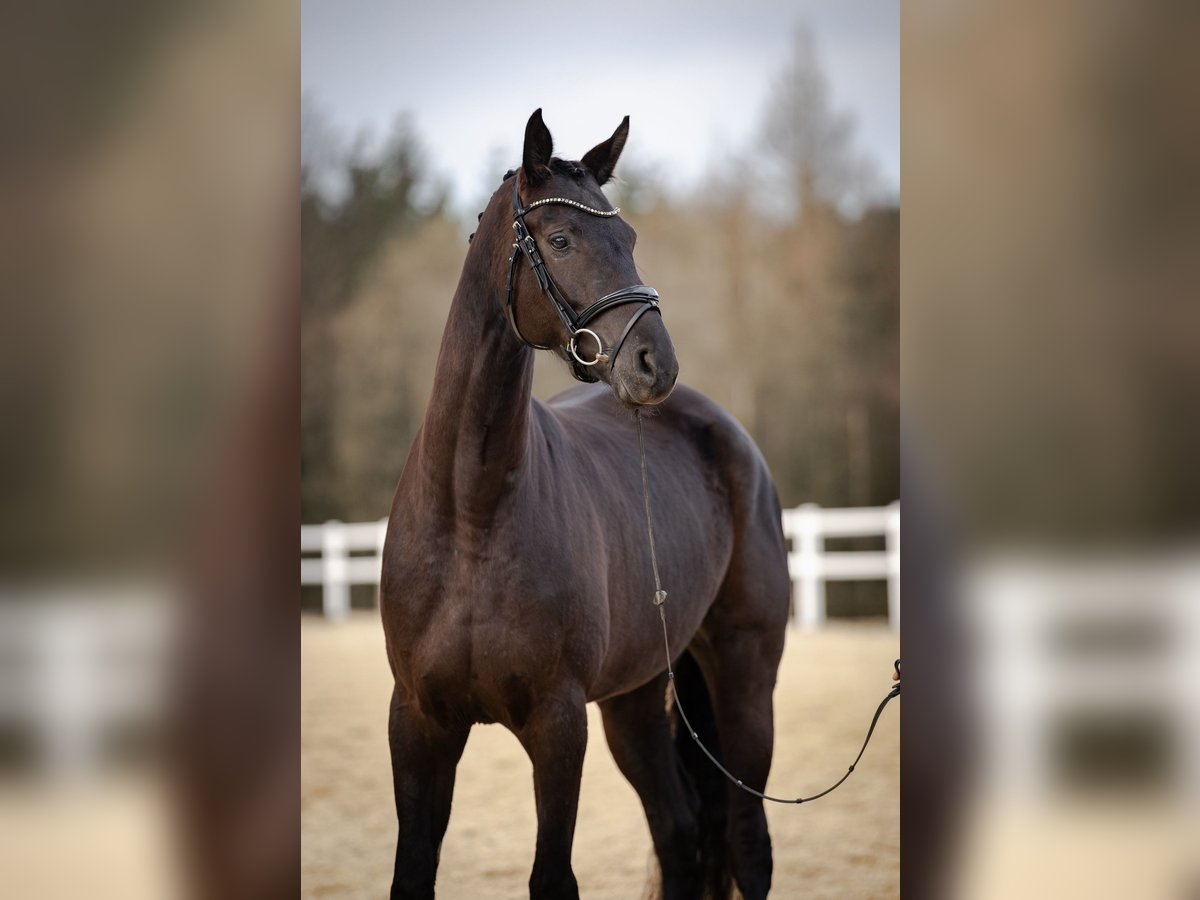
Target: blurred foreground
x=148 y=181
x=81 y=711
x=1051 y=348
x=1084 y=682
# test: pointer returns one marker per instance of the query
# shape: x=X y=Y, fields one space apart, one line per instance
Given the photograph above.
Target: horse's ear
x=538 y=147
x=602 y=159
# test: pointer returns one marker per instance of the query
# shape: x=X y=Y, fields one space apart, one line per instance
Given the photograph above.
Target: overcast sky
x=693 y=76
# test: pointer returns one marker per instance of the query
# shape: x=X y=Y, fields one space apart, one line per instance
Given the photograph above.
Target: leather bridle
x=576 y=323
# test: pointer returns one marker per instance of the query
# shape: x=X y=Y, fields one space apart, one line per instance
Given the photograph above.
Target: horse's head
x=570 y=280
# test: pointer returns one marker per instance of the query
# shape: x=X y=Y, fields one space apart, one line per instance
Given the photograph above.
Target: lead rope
x=660 y=600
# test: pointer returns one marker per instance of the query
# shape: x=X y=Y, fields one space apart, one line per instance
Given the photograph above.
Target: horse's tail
x=710 y=786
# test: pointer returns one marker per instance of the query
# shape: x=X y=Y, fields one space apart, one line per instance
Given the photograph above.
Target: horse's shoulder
x=686 y=410
x=582 y=406
x=696 y=411
x=575 y=394
x=581 y=400
x=721 y=441
x=694 y=417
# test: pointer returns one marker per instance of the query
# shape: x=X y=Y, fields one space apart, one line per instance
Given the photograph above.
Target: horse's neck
x=476 y=427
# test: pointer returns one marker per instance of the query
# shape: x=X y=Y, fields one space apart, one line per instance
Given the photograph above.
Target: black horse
x=516 y=580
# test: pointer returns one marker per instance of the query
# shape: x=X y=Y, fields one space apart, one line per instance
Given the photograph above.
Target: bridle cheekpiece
x=576 y=324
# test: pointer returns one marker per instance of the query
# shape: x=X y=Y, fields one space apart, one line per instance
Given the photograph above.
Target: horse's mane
x=568 y=167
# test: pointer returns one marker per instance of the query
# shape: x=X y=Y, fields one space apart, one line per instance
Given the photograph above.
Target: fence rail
x=350 y=553
x=85 y=668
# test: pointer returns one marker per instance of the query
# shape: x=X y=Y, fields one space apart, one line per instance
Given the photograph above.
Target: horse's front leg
x=555 y=737
x=424 y=758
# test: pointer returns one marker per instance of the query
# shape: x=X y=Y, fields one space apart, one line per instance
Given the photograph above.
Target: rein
x=660 y=601
x=525 y=247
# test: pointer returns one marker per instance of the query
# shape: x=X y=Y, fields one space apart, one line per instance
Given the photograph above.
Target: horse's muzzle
x=645 y=372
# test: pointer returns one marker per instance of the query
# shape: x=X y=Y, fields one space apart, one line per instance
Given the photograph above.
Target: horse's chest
x=491 y=631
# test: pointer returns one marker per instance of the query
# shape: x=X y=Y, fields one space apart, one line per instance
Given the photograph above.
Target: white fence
x=79 y=664
x=336 y=569
x=350 y=554
x=812 y=565
x=1112 y=642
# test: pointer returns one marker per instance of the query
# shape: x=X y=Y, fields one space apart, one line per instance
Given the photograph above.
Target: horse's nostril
x=646 y=361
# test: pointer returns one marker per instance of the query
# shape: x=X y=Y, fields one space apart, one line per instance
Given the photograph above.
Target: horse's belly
x=636 y=650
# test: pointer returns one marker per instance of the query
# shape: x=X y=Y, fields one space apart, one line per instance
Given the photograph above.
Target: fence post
x=892 y=545
x=1188 y=588
x=67 y=685
x=335 y=589
x=810 y=604
x=381 y=528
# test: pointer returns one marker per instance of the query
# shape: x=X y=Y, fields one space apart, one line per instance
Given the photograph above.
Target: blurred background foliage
x=779 y=272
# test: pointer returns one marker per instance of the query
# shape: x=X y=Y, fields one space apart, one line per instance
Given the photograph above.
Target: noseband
x=576 y=324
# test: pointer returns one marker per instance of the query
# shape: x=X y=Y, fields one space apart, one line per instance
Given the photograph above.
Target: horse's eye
x=558 y=242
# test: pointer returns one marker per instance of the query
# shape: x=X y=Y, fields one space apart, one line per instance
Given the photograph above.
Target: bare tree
x=811 y=140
